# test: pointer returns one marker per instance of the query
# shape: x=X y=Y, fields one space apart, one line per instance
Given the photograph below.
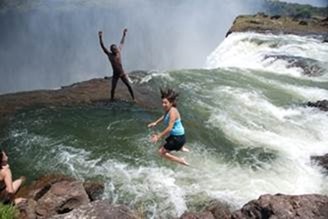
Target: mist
x=48 y=44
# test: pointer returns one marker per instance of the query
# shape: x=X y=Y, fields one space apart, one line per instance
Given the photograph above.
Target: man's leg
x=114 y=83
x=126 y=82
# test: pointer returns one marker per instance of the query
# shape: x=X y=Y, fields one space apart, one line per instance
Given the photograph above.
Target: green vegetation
x=7 y=211
x=275 y=7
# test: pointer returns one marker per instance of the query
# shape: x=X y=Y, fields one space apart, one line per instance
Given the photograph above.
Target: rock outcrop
x=57 y=195
x=94 y=91
x=285 y=206
x=263 y=23
x=99 y=210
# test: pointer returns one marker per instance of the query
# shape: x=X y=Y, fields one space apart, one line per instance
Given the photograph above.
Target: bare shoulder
x=4 y=172
x=175 y=112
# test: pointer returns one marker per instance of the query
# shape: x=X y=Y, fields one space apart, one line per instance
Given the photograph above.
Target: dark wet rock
x=285 y=206
x=322 y=161
x=310 y=67
x=219 y=209
x=94 y=190
x=61 y=198
x=303 y=23
x=275 y=17
x=203 y=215
x=99 y=210
x=278 y=24
x=321 y=104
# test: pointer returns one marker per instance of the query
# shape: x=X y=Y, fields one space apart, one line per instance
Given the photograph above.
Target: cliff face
x=263 y=23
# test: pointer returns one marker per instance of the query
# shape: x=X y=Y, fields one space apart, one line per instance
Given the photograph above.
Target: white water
x=241 y=50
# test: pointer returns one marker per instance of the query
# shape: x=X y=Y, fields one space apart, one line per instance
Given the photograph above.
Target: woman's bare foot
x=184 y=162
x=20 y=201
x=184 y=149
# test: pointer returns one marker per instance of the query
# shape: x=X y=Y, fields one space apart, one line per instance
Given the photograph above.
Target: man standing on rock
x=114 y=57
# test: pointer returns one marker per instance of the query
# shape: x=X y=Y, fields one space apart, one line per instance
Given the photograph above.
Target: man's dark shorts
x=174 y=143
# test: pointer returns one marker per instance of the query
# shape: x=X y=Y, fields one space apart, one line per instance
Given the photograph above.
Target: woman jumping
x=176 y=139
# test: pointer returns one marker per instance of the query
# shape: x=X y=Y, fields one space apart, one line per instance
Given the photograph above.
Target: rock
x=203 y=215
x=278 y=24
x=94 y=190
x=99 y=210
x=303 y=23
x=275 y=17
x=285 y=206
x=219 y=209
x=322 y=161
x=27 y=209
x=41 y=186
x=321 y=104
x=83 y=93
x=62 y=197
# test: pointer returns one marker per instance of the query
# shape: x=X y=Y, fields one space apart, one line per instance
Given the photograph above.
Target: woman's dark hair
x=1 y=157
x=170 y=95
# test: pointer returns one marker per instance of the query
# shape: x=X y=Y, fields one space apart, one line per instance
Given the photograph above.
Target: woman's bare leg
x=171 y=157
x=17 y=183
x=184 y=149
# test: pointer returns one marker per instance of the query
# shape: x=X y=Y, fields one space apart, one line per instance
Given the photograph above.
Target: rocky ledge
x=94 y=91
x=263 y=23
x=57 y=196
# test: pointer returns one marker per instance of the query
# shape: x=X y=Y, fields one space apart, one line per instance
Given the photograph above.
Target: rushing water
x=247 y=126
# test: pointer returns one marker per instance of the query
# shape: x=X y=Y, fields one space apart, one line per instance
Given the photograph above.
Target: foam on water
x=259 y=51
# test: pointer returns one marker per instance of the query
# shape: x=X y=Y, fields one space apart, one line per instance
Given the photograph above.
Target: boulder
x=94 y=189
x=39 y=187
x=219 y=210
x=62 y=197
x=100 y=209
x=285 y=206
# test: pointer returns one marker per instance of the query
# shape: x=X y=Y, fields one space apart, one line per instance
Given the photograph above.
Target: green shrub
x=7 y=211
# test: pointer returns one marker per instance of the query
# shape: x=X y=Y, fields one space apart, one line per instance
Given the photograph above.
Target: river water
x=246 y=122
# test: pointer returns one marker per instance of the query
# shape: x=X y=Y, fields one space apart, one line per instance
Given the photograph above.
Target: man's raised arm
x=101 y=43
x=123 y=38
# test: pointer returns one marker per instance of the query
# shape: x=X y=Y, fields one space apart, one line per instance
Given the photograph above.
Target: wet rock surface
x=321 y=104
x=321 y=161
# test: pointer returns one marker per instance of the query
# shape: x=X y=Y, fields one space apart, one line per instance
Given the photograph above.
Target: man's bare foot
x=184 y=149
